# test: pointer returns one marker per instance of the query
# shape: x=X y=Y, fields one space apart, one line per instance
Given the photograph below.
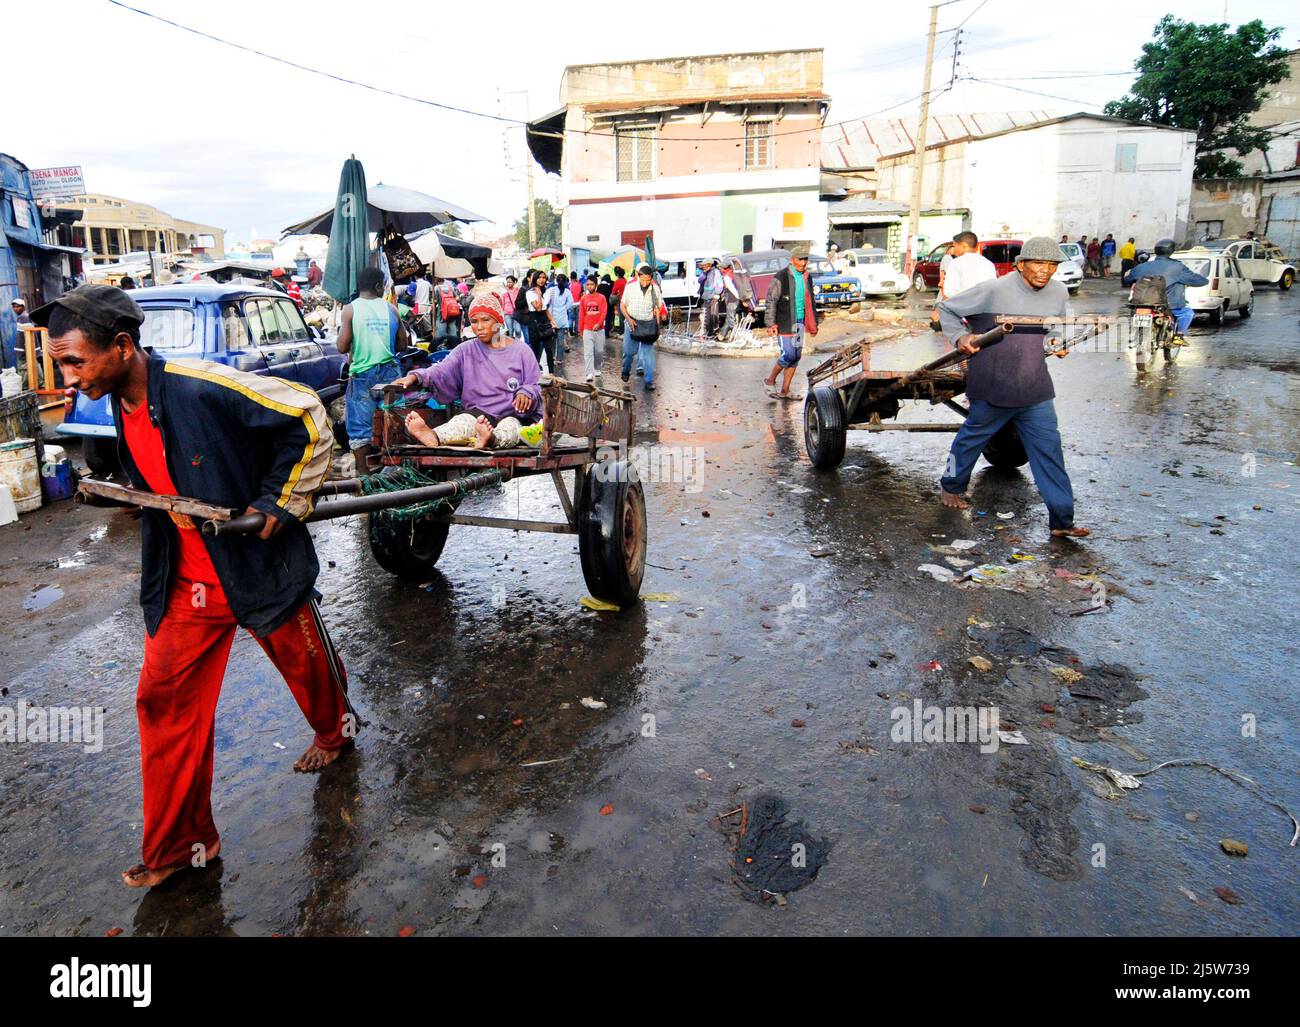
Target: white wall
x=688 y=223
x=1063 y=179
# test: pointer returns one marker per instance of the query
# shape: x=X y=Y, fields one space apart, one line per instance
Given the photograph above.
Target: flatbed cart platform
x=845 y=393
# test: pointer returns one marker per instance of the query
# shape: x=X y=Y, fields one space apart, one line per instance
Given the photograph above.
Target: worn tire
x=100 y=456
x=824 y=431
x=1286 y=281
x=612 y=534
x=409 y=549
x=918 y=282
x=1216 y=317
x=1249 y=308
x=1005 y=450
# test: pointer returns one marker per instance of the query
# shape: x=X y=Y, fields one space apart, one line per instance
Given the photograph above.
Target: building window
x=758 y=143
x=1126 y=157
x=635 y=154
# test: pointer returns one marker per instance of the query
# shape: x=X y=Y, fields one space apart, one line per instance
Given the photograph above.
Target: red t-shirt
x=575 y=290
x=616 y=293
x=145 y=442
x=592 y=309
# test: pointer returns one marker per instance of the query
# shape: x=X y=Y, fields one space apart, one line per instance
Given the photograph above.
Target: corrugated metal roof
x=859 y=144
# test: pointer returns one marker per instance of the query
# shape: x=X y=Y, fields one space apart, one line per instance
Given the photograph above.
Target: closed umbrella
x=349 y=232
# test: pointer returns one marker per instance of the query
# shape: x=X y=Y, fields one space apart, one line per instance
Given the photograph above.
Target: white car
x=1070 y=271
x=1229 y=288
x=1260 y=261
x=681 y=283
x=873 y=268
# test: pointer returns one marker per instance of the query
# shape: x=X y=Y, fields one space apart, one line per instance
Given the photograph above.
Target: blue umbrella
x=349 y=234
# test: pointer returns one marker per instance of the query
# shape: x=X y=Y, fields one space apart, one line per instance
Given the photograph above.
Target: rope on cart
x=405 y=476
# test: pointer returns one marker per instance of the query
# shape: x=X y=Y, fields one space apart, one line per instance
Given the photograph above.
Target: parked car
x=1002 y=252
x=1260 y=261
x=1229 y=288
x=752 y=273
x=1068 y=272
x=242 y=326
x=877 y=273
x=830 y=287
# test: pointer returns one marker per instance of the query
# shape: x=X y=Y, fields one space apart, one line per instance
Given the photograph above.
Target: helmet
x=1164 y=247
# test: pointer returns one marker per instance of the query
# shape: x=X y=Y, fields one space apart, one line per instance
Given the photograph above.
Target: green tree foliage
x=1211 y=79
x=452 y=229
x=548 y=226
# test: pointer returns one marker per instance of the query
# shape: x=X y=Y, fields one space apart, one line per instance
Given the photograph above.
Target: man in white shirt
x=969 y=266
x=423 y=293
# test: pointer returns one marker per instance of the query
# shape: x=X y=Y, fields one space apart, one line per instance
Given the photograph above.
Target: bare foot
x=1071 y=532
x=421 y=432
x=482 y=432
x=952 y=501
x=316 y=758
x=141 y=876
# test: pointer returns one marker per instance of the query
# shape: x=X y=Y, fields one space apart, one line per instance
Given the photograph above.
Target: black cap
x=104 y=305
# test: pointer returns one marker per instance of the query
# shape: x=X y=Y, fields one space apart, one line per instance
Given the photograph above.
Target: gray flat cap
x=799 y=251
x=1041 y=248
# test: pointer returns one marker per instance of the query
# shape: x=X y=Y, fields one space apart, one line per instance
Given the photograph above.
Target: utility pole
x=528 y=161
x=918 y=159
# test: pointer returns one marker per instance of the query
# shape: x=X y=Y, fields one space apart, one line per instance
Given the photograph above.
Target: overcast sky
x=213 y=134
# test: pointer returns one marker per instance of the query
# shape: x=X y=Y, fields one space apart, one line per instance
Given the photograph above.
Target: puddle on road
x=42 y=598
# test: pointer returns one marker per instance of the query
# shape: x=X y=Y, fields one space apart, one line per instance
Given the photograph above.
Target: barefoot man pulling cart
x=238 y=440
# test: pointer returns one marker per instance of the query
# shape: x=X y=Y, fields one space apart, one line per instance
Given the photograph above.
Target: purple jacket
x=486 y=379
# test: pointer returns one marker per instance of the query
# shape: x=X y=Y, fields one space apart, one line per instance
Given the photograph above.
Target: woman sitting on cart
x=495 y=380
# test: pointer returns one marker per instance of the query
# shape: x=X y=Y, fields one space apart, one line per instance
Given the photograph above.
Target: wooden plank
x=565 y=501
x=137 y=497
x=914 y=426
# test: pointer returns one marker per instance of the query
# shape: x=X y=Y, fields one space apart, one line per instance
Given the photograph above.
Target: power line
x=464 y=110
x=1035 y=92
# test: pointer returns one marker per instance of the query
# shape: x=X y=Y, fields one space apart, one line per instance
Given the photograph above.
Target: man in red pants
x=236 y=440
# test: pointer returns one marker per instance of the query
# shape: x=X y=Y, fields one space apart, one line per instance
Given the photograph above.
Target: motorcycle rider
x=1177 y=276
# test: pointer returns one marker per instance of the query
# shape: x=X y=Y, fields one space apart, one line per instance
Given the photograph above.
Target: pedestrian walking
x=711 y=291
x=592 y=309
x=234 y=439
x=616 y=299
x=969 y=267
x=790 y=313
x=559 y=302
x=508 y=297
x=643 y=310
x=371 y=334
x=1009 y=383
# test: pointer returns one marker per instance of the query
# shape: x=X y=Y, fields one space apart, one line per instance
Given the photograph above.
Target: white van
x=681 y=282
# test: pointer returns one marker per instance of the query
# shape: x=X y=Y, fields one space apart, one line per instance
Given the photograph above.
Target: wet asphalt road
x=1187 y=475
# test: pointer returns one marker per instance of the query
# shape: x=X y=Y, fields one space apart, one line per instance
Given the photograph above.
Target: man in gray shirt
x=1009 y=383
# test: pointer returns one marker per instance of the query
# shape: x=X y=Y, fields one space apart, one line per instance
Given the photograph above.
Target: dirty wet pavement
x=791 y=623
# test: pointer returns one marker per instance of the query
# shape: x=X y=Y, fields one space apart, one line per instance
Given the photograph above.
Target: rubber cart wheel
x=612 y=531
x=407 y=548
x=824 y=433
x=1005 y=450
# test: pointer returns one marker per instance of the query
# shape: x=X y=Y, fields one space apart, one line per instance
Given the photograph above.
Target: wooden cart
x=586 y=430
x=412 y=502
x=845 y=393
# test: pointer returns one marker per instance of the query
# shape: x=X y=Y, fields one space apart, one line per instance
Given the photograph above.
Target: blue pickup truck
x=245 y=327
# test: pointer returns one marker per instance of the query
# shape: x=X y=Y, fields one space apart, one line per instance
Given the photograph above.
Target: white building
x=1081 y=174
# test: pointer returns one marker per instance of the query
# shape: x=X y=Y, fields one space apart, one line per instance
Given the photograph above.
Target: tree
x=548 y=226
x=1210 y=79
x=452 y=229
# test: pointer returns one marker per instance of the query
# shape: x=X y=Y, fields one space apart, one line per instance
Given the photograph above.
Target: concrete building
x=1080 y=174
x=1268 y=205
x=715 y=153
x=113 y=227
